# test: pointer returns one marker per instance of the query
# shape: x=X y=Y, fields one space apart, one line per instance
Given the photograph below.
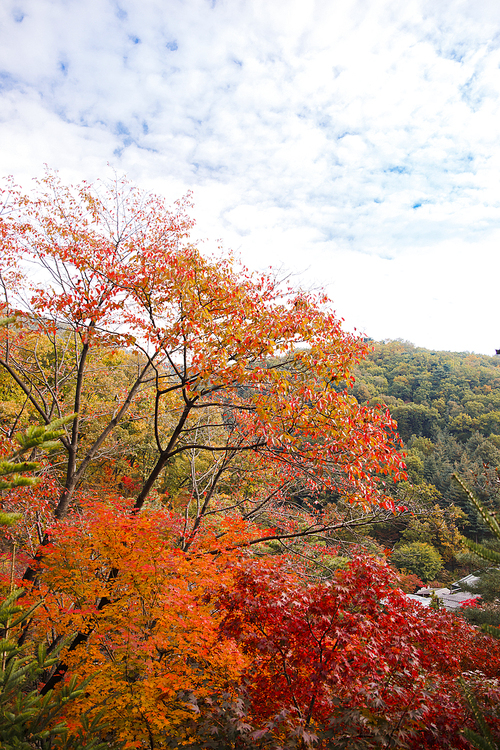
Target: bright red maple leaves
x=352 y=659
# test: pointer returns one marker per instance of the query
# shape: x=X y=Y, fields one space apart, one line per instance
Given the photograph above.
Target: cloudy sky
x=354 y=143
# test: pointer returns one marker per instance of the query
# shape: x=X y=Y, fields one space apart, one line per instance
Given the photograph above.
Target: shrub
x=409 y=582
x=489 y=615
x=419 y=558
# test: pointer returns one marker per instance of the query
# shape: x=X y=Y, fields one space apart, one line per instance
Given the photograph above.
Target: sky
x=354 y=144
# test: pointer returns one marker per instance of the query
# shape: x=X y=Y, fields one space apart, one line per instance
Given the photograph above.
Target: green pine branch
x=491 y=630
x=481 y=551
x=42 y=436
x=487 y=517
x=485 y=740
x=479 y=742
x=45 y=437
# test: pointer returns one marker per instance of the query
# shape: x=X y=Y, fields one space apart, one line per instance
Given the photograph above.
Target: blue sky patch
x=120 y=13
x=122 y=129
x=7 y=82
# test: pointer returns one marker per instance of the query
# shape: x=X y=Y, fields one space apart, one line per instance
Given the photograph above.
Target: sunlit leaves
x=263 y=363
x=158 y=635
x=350 y=658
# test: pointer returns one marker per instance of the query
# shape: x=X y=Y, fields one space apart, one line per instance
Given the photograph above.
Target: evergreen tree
x=29 y=720
x=483 y=741
x=483 y=552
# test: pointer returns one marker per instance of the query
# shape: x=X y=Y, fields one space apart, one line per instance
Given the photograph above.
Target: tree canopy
x=143 y=338
x=180 y=549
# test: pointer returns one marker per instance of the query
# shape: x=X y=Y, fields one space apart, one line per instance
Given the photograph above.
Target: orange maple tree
x=157 y=638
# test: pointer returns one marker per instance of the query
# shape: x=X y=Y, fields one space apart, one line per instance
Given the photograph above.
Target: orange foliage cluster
x=191 y=646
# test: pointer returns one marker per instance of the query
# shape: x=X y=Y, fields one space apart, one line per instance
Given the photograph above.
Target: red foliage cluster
x=474 y=602
x=353 y=658
x=410 y=582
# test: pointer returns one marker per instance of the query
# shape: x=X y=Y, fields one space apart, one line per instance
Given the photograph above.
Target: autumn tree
x=216 y=646
x=73 y=315
x=157 y=638
x=240 y=376
x=239 y=373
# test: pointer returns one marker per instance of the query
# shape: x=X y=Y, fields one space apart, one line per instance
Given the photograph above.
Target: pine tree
x=484 y=740
x=480 y=550
x=29 y=720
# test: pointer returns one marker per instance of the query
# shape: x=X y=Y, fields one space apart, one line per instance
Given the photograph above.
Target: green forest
x=215 y=501
x=446 y=408
x=446 y=405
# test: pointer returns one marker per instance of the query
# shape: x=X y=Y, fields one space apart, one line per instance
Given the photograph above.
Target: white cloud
x=358 y=140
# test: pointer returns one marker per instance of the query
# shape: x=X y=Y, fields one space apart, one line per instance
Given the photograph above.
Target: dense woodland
x=447 y=409
x=450 y=399
x=209 y=519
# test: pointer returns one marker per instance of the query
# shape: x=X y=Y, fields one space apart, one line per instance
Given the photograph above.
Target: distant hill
x=447 y=406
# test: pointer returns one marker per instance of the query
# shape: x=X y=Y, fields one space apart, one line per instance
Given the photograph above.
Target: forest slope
x=447 y=406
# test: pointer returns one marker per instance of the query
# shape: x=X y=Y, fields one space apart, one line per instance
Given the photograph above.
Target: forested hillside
x=205 y=535
x=447 y=407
